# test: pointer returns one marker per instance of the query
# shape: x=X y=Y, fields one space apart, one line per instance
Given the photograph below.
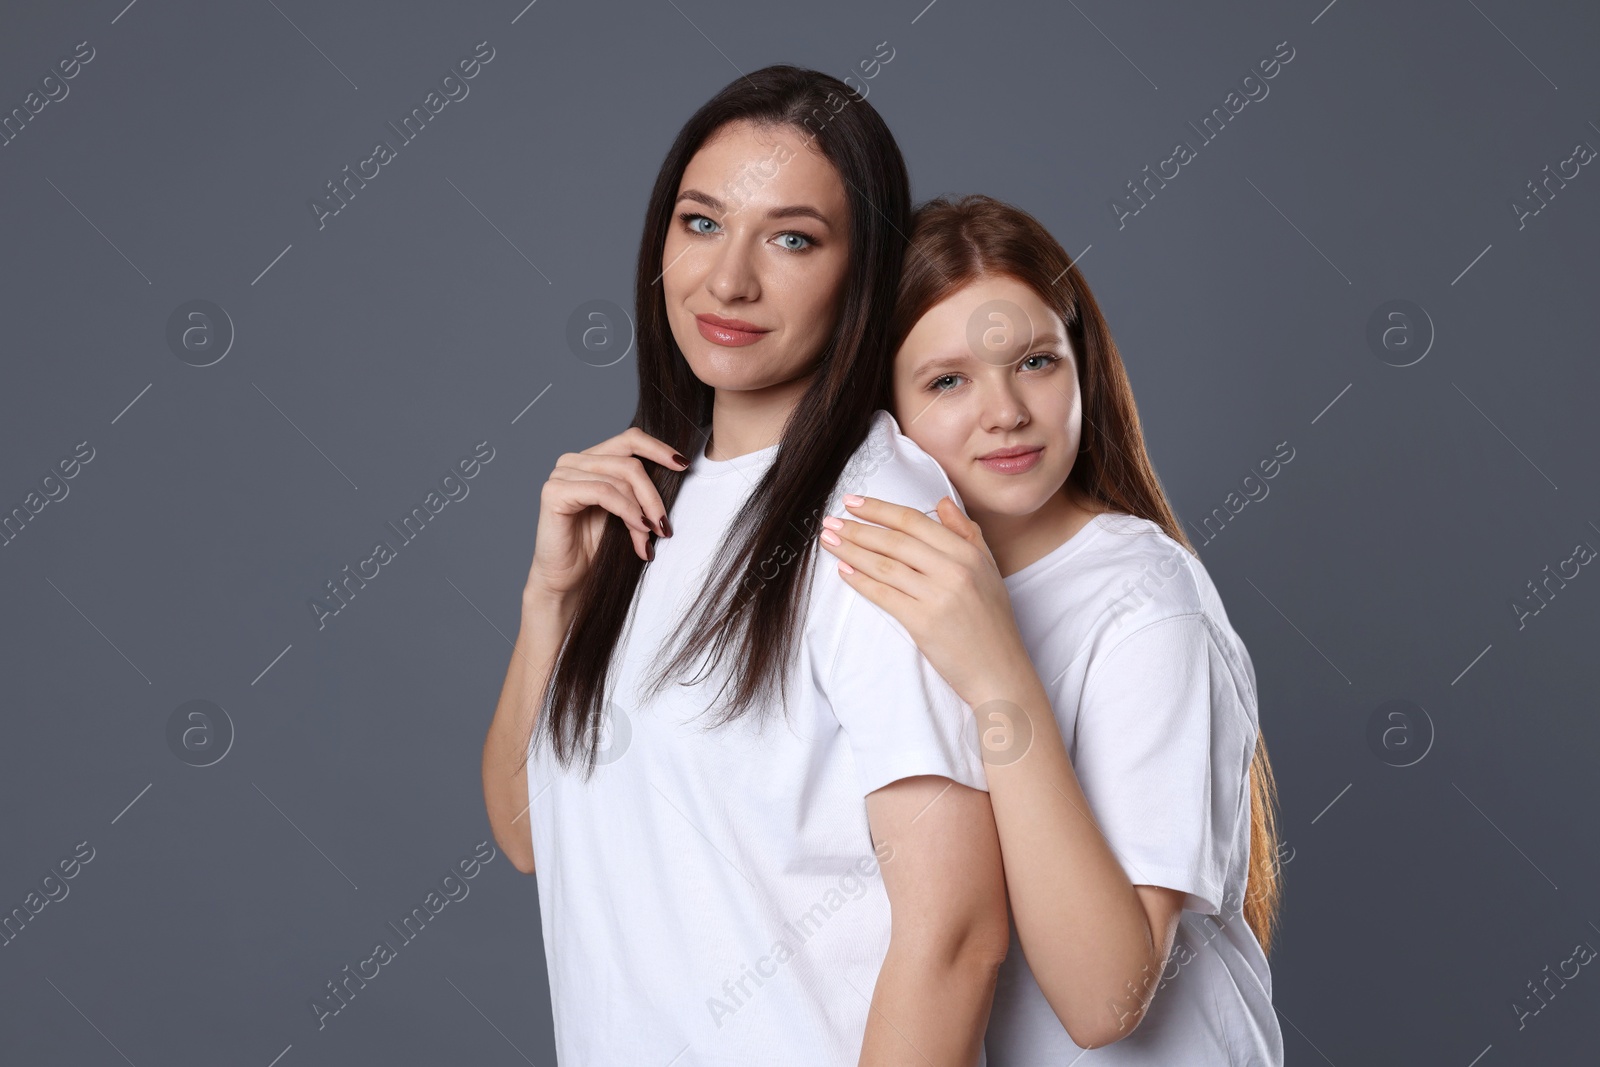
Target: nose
x=1003 y=409
x=732 y=278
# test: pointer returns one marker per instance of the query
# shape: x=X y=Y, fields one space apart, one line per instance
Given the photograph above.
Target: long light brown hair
x=955 y=242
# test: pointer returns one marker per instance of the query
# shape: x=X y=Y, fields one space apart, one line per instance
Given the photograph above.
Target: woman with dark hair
x=808 y=871
x=1132 y=792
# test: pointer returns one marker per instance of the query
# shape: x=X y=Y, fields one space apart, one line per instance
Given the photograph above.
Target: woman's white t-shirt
x=712 y=895
x=1156 y=697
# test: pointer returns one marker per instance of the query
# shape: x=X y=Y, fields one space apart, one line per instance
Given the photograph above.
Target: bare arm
x=505 y=770
x=584 y=492
x=1096 y=943
x=949 y=932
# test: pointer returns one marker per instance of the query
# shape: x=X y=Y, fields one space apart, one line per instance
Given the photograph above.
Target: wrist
x=1011 y=678
x=542 y=603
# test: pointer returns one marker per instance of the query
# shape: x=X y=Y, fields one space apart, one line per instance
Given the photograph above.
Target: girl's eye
x=692 y=220
x=800 y=241
x=1045 y=356
x=936 y=387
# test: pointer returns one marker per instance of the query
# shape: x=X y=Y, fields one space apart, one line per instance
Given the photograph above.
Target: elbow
x=1095 y=1025
x=1102 y=1033
x=518 y=848
x=972 y=946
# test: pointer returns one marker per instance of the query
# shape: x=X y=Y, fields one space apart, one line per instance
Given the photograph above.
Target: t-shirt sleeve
x=900 y=716
x=1162 y=750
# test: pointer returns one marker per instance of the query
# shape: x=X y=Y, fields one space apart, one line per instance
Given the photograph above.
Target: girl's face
x=990 y=370
x=756 y=257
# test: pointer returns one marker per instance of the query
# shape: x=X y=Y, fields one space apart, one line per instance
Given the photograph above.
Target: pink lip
x=1012 y=460
x=732 y=333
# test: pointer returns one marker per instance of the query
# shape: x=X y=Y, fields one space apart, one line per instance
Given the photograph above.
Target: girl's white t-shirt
x=712 y=894
x=1156 y=697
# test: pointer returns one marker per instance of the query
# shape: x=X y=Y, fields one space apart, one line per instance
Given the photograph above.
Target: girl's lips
x=729 y=336
x=1013 y=464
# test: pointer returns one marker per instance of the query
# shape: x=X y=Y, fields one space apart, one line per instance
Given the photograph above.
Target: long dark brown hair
x=750 y=614
x=956 y=242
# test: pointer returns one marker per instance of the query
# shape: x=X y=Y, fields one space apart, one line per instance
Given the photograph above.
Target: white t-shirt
x=712 y=895
x=1156 y=697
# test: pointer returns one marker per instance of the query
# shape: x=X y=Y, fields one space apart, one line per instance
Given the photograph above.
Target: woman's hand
x=583 y=488
x=939 y=580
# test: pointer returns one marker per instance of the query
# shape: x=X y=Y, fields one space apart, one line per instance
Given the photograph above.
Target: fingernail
x=845 y=568
x=853 y=501
x=830 y=537
x=679 y=460
x=650 y=552
x=666 y=526
x=832 y=523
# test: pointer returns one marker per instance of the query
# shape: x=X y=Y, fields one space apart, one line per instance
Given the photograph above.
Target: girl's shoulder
x=1126 y=574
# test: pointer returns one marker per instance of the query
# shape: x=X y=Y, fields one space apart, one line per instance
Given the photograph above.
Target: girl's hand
x=939 y=580
x=576 y=498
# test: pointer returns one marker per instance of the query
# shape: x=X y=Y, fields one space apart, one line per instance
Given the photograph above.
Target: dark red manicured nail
x=679 y=460
x=666 y=526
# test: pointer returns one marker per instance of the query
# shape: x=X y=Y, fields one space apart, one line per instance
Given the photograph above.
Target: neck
x=748 y=420
x=1018 y=540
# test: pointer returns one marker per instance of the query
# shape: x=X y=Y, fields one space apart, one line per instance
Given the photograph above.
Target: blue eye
x=804 y=241
x=935 y=383
x=692 y=220
x=1043 y=355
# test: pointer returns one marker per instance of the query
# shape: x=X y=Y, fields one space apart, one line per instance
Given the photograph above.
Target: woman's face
x=986 y=371
x=756 y=257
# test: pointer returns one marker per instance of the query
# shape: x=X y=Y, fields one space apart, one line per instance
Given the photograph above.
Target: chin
x=722 y=372
x=1015 y=499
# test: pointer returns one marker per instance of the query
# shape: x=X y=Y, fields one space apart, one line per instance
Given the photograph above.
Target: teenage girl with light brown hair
x=1117 y=706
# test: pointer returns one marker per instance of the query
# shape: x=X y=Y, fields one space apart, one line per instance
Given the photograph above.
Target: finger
x=909 y=551
x=575 y=490
x=881 y=567
x=958 y=522
x=909 y=521
x=882 y=594
x=635 y=442
x=629 y=470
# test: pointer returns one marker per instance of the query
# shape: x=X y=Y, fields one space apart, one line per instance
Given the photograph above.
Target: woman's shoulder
x=891 y=466
x=1133 y=573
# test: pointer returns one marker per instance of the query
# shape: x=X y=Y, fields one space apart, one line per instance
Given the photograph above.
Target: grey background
x=432 y=311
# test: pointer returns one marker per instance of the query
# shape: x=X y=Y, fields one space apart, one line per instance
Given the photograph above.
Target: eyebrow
x=946 y=363
x=792 y=211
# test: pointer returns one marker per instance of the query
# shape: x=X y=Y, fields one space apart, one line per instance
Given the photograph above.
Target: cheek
x=1060 y=407
x=941 y=427
x=813 y=290
x=674 y=278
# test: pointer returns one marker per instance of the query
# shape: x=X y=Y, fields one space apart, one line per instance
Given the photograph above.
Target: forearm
x=505 y=773
x=1082 y=927
x=930 y=1008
